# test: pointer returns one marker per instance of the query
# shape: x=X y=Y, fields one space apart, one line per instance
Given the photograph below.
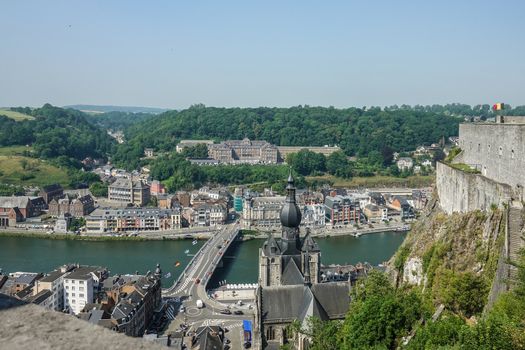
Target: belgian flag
x=498 y=106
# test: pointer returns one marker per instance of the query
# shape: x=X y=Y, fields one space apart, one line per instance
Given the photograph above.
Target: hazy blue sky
x=273 y=53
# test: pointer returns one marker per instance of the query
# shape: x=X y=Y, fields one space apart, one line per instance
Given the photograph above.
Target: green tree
x=99 y=189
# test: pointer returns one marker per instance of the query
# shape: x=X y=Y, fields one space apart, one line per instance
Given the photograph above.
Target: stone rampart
x=497 y=150
x=459 y=191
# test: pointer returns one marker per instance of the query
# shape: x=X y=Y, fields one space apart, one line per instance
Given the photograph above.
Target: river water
x=121 y=257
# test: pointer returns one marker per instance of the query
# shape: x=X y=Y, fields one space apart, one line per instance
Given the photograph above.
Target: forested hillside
x=56 y=132
x=118 y=120
x=356 y=131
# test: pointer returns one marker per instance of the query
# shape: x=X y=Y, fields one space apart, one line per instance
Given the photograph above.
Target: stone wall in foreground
x=462 y=192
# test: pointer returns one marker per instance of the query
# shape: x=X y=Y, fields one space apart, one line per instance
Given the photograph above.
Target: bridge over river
x=191 y=286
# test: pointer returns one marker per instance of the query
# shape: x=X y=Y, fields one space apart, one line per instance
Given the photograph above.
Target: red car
x=197 y=281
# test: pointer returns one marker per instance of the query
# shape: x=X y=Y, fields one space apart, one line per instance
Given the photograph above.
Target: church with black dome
x=290 y=286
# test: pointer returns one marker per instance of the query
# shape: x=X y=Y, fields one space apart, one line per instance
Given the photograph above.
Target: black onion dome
x=290 y=212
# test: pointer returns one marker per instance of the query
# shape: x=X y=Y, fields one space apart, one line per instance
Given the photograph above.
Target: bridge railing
x=193 y=260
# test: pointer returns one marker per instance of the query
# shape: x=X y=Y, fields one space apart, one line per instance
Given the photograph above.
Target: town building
x=156 y=188
x=262 y=211
x=62 y=223
x=314 y=215
x=401 y=205
x=209 y=214
x=52 y=282
x=133 y=219
x=54 y=191
x=184 y=198
x=342 y=210
x=375 y=213
x=82 y=286
x=191 y=143
x=128 y=191
x=289 y=282
x=14 y=209
x=126 y=303
x=149 y=152
x=405 y=163
x=167 y=201
x=77 y=207
x=243 y=151
x=376 y=198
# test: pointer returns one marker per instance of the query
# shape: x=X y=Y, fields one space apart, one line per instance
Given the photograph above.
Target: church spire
x=290 y=213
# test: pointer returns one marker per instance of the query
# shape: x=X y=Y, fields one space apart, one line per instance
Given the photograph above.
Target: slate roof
x=121 y=310
x=26 y=278
x=14 y=201
x=271 y=243
x=292 y=274
x=334 y=298
x=83 y=272
x=50 y=188
x=283 y=304
x=209 y=337
x=52 y=276
x=309 y=244
x=40 y=296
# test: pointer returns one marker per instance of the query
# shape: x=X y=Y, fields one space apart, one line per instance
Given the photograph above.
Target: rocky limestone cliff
x=460 y=243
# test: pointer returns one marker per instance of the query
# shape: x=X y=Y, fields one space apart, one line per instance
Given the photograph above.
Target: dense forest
x=356 y=131
x=56 y=132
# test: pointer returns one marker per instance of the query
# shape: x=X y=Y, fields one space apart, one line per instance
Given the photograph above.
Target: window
x=81 y=289
x=73 y=288
x=67 y=287
x=80 y=295
x=81 y=282
x=73 y=295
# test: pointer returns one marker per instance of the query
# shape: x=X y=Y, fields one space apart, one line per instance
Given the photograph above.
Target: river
x=121 y=257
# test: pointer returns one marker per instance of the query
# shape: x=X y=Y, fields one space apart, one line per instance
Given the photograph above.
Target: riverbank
x=192 y=234
x=334 y=232
x=103 y=238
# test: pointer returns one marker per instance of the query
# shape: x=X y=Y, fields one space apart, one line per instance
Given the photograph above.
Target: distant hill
x=14 y=114
x=95 y=109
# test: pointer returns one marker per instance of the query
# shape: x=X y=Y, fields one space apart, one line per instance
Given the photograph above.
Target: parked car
x=225 y=312
x=238 y=312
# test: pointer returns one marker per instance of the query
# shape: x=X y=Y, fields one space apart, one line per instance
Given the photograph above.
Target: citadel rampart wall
x=459 y=191
x=497 y=150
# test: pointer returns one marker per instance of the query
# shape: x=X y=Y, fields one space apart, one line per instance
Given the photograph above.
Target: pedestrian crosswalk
x=170 y=312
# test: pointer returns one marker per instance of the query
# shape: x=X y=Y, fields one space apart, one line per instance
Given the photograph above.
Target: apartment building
x=81 y=287
x=342 y=210
x=133 y=219
x=127 y=191
x=262 y=211
x=209 y=214
x=313 y=215
x=52 y=282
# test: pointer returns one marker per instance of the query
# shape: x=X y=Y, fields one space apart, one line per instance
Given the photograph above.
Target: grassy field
x=14 y=115
x=20 y=170
x=376 y=181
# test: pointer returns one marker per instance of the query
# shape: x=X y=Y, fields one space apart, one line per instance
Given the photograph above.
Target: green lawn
x=20 y=170
x=377 y=181
x=13 y=150
x=14 y=115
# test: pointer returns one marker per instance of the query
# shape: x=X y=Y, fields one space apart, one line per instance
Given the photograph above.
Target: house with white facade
x=81 y=287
